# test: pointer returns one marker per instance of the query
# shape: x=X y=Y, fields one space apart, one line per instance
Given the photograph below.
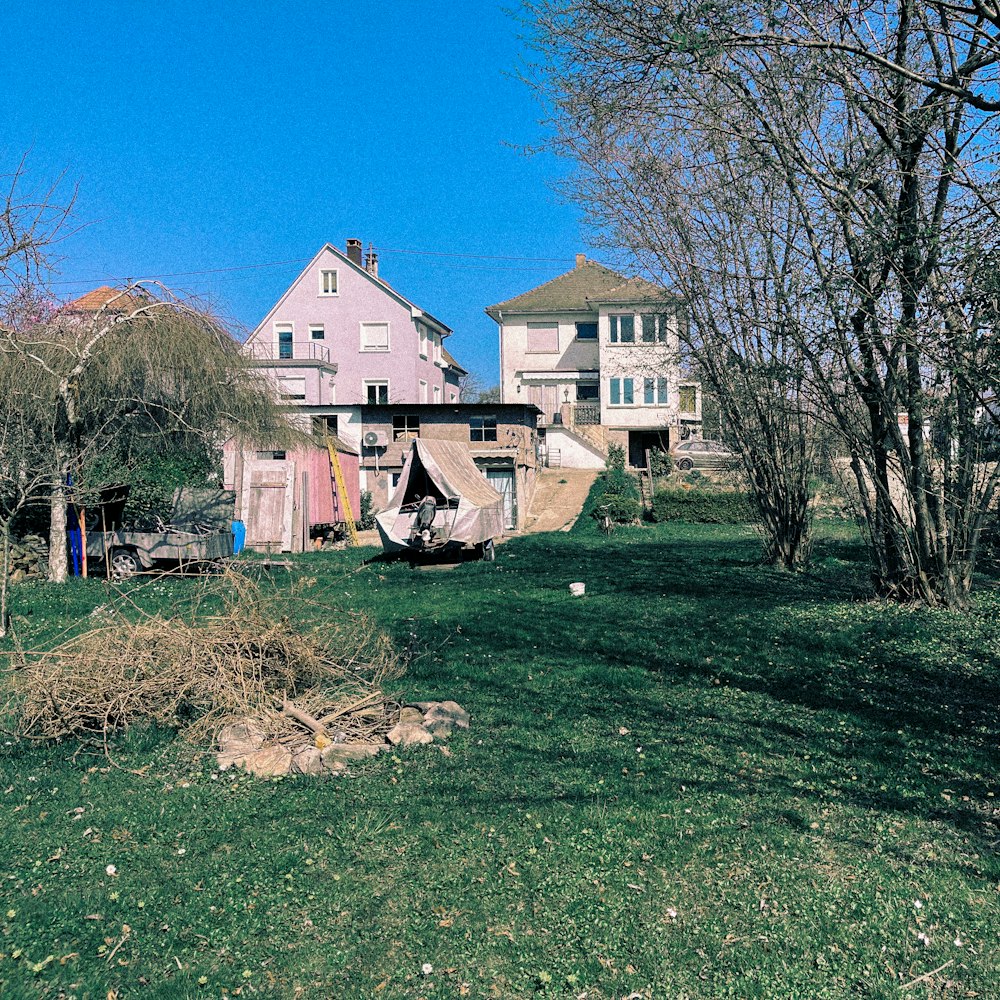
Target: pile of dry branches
x=238 y=654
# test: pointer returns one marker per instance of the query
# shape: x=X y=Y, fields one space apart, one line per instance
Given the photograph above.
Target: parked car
x=698 y=454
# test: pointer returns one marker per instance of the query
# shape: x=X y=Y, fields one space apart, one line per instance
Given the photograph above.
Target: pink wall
x=360 y=299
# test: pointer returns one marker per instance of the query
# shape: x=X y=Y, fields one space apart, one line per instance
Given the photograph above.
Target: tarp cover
x=445 y=470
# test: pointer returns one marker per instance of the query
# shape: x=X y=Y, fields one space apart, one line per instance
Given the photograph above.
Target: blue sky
x=210 y=135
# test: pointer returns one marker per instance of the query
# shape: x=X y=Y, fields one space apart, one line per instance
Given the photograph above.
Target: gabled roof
x=415 y=311
x=106 y=297
x=451 y=362
x=580 y=290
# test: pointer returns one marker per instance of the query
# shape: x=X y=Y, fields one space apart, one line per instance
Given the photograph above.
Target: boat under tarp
x=442 y=500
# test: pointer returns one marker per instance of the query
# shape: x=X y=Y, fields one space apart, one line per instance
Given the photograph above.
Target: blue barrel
x=239 y=537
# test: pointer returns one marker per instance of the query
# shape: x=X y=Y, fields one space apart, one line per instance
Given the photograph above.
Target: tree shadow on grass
x=669 y=615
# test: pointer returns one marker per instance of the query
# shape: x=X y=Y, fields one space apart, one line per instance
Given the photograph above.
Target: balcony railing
x=311 y=351
x=586 y=414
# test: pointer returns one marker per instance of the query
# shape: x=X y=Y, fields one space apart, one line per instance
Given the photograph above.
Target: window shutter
x=543 y=338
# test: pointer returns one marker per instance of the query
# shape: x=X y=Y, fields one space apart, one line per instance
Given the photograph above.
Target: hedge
x=703 y=506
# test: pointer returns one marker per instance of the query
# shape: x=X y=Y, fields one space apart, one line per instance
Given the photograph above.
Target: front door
x=502 y=480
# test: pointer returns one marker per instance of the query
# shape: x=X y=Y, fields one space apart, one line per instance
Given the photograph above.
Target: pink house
x=339 y=339
x=341 y=336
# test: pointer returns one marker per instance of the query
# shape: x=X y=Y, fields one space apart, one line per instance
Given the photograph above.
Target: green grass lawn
x=703 y=779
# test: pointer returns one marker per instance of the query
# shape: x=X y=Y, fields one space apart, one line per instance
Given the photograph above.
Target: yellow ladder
x=345 y=503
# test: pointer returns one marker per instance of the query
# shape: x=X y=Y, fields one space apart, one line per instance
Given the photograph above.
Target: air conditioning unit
x=375 y=439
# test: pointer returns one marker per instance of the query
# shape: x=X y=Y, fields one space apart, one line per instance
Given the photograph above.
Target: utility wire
x=304 y=260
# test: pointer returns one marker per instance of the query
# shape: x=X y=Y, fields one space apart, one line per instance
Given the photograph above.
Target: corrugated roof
x=579 y=290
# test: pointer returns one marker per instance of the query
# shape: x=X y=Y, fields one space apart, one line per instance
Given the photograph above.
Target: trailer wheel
x=124 y=564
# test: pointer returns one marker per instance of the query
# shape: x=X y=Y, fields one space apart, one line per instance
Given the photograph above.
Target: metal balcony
x=307 y=352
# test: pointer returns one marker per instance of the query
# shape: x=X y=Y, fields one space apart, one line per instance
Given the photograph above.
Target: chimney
x=354 y=251
x=581 y=259
x=371 y=262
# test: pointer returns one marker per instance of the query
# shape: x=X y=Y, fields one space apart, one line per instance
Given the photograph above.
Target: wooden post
x=104 y=544
x=82 y=519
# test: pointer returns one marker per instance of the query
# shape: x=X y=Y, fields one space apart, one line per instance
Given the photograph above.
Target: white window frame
x=317 y=331
x=424 y=336
x=279 y=329
x=615 y=333
x=375 y=350
x=655 y=390
x=423 y=391
x=621 y=380
x=437 y=394
x=375 y=383
x=323 y=272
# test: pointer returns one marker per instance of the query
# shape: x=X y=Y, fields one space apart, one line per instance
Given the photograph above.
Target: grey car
x=698 y=454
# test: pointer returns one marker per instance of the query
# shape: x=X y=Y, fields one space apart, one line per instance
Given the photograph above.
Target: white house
x=598 y=353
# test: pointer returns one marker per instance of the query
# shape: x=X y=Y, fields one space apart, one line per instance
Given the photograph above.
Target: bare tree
x=144 y=371
x=866 y=125
x=473 y=389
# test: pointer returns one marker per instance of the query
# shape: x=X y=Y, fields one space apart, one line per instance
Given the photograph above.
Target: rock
x=440 y=729
x=422 y=706
x=408 y=734
x=237 y=742
x=411 y=714
x=308 y=761
x=346 y=752
x=448 y=713
x=268 y=762
x=333 y=763
x=245 y=734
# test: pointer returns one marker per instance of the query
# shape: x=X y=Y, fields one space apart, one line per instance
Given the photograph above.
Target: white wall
x=574 y=453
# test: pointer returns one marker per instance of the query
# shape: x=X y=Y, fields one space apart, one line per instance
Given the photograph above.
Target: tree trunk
x=58 y=568
x=4 y=577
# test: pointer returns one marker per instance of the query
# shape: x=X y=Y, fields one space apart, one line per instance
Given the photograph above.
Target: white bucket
x=577 y=589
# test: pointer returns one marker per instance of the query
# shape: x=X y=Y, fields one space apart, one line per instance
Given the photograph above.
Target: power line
x=106 y=279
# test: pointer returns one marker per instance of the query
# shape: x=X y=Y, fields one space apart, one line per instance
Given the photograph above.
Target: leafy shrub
x=660 y=462
x=366 y=516
x=616 y=494
x=621 y=509
x=703 y=507
x=616 y=458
